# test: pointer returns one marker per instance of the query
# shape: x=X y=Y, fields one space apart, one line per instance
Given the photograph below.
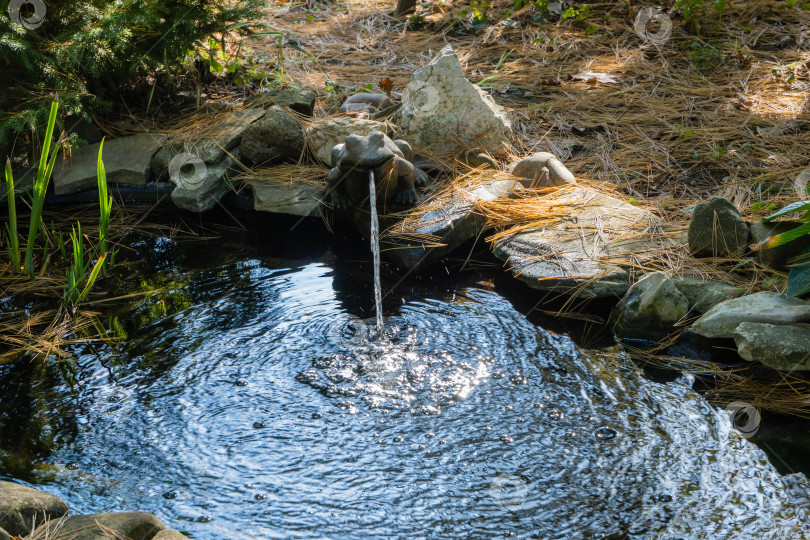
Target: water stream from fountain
x=375 y=249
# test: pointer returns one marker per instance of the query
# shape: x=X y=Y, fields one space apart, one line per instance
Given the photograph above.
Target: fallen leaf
x=386 y=85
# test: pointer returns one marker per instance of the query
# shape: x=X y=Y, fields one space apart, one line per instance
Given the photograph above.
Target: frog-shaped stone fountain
x=390 y=161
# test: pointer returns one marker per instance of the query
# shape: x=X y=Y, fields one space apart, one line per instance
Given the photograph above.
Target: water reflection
x=258 y=407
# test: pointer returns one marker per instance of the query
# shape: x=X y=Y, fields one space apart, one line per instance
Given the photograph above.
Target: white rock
x=444 y=112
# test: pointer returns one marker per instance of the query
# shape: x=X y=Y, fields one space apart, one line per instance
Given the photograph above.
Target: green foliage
x=40 y=188
x=799 y=277
x=11 y=227
x=93 y=51
x=77 y=288
x=695 y=9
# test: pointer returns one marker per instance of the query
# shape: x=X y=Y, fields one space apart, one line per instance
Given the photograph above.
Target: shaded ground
x=720 y=112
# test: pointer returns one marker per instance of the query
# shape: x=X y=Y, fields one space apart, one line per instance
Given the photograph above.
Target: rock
x=444 y=112
x=581 y=255
x=223 y=133
x=717 y=230
x=168 y=534
x=762 y=307
x=450 y=220
x=22 y=506
x=133 y=525
x=201 y=188
x=782 y=347
x=277 y=136
x=780 y=256
x=323 y=137
x=300 y=101
x=298 y=199
x=476 y=158
x=126 y=161
x=704 y=295
x=4 y=535
x=544 y=170
x=366 y=103
x=650 y=309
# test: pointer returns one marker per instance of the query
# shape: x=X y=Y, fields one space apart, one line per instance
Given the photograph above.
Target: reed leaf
x=40 y=188
x=13 y=240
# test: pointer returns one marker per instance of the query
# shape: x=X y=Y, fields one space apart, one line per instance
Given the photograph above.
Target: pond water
x=251 y=401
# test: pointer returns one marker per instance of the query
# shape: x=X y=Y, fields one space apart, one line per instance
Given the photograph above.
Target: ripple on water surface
x=272 y=414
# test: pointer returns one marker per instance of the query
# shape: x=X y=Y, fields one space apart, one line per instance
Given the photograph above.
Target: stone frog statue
x=395 y=177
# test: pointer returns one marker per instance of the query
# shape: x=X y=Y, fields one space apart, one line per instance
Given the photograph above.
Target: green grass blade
x=91 y=280
x=13 y=240
x=795 y=207
x=40 y=188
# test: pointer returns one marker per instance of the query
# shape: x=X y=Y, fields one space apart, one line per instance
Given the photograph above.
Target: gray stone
x=478 y=158
x=780 y=256
x=4 y=535
x=276 y=136
x=717 y=230
x=168 y=534
x=762 y=307
x=323 y=137
x=580 y=255
x=704 y=295
x=132 y=525
x=543 y=170
x=443 y=112
x=126 y=161
x=22 y=506
x=451 y=221
x=222 y=134
x=782 y=347
x=366 y=103
x=297 y=199
x=201 y=190
x=300 y=101
x=650 y=309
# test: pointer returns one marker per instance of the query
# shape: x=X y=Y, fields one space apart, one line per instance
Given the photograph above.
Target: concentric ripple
x=264 y=410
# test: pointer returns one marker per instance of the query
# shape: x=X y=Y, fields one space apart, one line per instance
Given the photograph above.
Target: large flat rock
x=221 y=133
x=447 y=220
x=22 y=506
x=586 y=254
x=297 y=199
x=126 y=161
